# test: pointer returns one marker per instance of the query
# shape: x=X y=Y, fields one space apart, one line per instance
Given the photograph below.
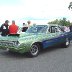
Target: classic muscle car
x=37 y=37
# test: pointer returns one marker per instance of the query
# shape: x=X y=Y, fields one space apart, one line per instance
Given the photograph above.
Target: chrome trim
x=9 y=43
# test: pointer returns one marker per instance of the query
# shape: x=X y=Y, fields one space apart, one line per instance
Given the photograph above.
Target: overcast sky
x=20 y=10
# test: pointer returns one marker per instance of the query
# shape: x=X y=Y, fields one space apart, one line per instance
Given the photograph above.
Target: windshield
x=37 y=29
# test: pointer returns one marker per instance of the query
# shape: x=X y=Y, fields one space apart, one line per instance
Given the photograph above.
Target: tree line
x=63 y=22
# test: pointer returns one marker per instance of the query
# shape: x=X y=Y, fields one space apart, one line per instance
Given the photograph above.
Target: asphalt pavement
x=54 y=59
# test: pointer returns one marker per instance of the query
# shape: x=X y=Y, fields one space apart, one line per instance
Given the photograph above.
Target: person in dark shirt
x=70 y=28
x=4 y=28
x=24 y=28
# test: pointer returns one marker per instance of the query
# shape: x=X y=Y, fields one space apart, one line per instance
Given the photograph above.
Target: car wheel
x=67 y=43
x=10 y=51
x=34 y=51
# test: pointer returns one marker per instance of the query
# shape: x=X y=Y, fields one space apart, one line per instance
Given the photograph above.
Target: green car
x=37 y=37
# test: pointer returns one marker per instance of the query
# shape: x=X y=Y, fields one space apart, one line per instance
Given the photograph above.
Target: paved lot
x=50 y=60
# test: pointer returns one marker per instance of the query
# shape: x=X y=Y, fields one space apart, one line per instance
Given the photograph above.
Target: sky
x=34 y=10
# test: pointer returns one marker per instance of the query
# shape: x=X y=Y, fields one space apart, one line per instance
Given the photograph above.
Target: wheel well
x=40 y=44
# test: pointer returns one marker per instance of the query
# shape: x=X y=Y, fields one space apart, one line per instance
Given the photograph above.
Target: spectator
x=4 y=28
x=66 y=29
x=13 y=28
x=70 y=28
x=29 y=23
x=24 y=27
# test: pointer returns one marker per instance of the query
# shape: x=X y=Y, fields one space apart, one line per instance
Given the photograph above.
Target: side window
x=57 y=29
x=61 y=28
x=52 y=29
x=49 y=29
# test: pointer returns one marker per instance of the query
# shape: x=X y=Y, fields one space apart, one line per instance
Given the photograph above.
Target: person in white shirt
x=29 y=23
x=66 y=29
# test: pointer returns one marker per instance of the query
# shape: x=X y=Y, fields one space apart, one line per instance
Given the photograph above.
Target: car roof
x=40 y=24
x=47 y=25
x=53 y=24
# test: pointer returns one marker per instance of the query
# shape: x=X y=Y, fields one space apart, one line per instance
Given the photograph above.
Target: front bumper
x=22 y=48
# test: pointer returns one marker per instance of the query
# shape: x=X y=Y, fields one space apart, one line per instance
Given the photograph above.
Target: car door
x=56 y=37
x=60 y=36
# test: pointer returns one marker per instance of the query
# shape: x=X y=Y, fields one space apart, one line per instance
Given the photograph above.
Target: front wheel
x=34 y=51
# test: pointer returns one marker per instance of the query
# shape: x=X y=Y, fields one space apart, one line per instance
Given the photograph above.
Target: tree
x=54 y=22
x=70 y=6
x=62 y=22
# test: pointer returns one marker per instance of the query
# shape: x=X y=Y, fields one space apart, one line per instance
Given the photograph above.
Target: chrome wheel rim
x=67 y=42
x=34 y=50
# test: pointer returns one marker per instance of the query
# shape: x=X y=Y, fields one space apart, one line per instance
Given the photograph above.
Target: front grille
x=8 y=43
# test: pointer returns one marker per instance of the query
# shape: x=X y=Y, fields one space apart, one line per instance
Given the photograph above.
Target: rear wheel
x=66 y=44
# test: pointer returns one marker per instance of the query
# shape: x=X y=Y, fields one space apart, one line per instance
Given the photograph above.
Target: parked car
x=37 y=37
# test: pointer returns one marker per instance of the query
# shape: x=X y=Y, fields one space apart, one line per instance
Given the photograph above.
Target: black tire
x=66 y=43
x=34 y=51
x=10 y=51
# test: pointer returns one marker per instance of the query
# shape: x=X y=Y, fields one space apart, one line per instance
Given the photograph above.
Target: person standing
x=29 y=23
x=4 y=28
x=66 y=29
x=24 y=28
x=70 y=28
x=13 y=28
